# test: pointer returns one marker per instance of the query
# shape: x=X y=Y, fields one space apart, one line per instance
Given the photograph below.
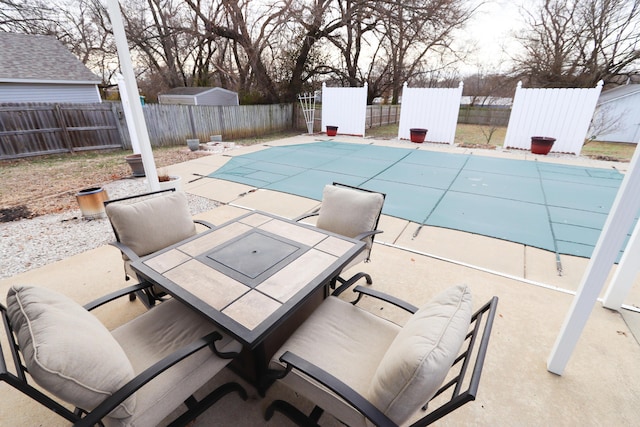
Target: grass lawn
x=487 y=137
x=40 y=185
x=620 y=151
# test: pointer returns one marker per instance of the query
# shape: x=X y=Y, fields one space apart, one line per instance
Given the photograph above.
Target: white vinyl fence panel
x=563 y=114
x=345 y=107
x=434 y=109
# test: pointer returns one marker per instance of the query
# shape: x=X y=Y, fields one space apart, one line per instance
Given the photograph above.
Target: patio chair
x=138 y=374
x=147 y=226
x=366 y=370
x=353 y=212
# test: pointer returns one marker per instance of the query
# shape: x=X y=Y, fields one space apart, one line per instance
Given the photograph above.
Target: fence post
x=65 y=132
x=193 y=123
x=121 y=132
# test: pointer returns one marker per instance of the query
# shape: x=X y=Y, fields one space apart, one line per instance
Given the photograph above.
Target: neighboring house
x=36 y=68
x=617 y=115
x=199 y=96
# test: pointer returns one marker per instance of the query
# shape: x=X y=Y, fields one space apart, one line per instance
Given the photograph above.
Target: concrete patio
x=601 y=385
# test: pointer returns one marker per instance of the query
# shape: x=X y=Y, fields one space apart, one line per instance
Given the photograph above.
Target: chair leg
x=345 y=284
x=196 y=408
x=145 y=299
x=293 y=413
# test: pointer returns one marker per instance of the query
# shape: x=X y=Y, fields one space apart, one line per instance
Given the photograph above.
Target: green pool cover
x=555 y=207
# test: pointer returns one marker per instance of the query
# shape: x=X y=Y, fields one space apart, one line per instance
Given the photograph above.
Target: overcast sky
x=491 y=29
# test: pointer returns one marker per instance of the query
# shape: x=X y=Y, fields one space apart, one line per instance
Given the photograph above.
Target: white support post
x=626 y=273
x=619 y=221
x=138 y=123
x=128 y=114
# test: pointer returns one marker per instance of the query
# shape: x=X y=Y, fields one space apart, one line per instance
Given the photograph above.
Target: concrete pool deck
x=601 y=385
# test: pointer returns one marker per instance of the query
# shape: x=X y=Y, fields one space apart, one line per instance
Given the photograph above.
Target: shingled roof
x=34 y=58
x=188 y=90
x=618 y=92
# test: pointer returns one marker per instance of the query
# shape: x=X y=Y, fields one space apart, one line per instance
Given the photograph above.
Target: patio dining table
x=257 y=277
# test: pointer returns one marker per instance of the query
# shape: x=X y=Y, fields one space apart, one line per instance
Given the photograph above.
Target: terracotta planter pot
x=418 y=135
x=332 y=130
x=541 y=144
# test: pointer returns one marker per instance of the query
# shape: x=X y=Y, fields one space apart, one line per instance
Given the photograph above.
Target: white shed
x=36 y=68
x=199 y=96
x=617 y=115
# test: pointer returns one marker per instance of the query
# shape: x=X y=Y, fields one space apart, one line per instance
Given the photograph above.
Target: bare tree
x=418 y=36
x=578 y=43
x=250 y=36
x=606 y=119
x=269 y=50
x=28 y=17
x=85 y=31
x=483 y=84
x=161 y=31
x=610 y=46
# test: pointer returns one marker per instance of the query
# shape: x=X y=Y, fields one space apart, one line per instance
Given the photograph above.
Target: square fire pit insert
x=253 y=257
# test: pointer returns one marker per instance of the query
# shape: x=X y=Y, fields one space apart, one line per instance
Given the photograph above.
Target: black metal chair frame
x=149 y=296
x=80 y=417
x=476 y=344
x=347 y=283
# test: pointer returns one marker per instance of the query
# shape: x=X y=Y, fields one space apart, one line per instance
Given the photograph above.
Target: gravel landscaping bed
x=32 y=243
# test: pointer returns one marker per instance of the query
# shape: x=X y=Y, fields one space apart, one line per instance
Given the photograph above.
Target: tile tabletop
x=248 y=273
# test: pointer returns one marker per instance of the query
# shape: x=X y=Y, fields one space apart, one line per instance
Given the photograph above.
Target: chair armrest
x=106 y=202
x=126 y=250
x=384 y=297
x=482 y=321
x=110 y=403
x=366 y=234
x=352 y=397
x=115 y=295
x=205 y=223
x=308 y=215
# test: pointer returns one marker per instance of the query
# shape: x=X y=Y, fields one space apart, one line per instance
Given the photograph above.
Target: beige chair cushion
x=417 y=362
x=349 y=212
x=156 y=334
x=67 y=350
x=344 y=340
x=153 y=224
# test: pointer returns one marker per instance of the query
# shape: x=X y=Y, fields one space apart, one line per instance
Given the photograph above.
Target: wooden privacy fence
x=376 y=115
x=173 y=124
x=563 y=114
x=36 y=129
x=484 y=115
x=381 y=115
